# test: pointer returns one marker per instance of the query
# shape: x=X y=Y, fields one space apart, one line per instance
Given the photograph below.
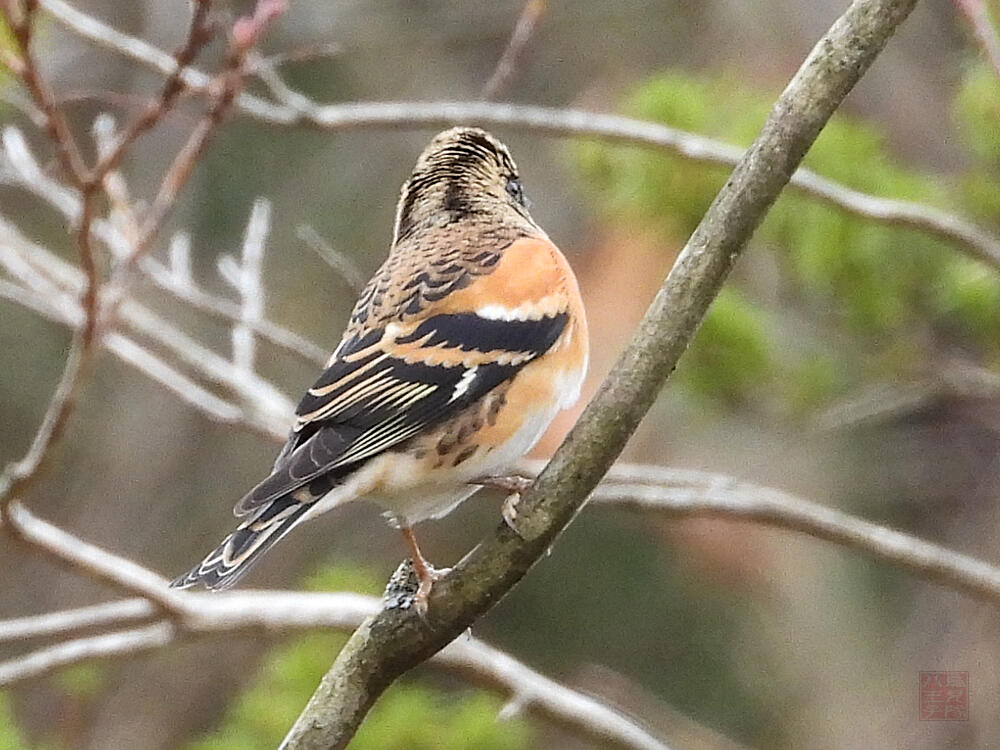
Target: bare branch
x=333 y=257
x=194 y=614
x=47 y=660
x=198 y=35
x=977 y=14
x=206 y=402
x=95 y=562
x=531 y=15
x=222 y=91
x=55 y=281
x=68 y=622
x=681 y=493
x=973 y=240
x=17 y=477
x=244 y=276
x=531 y=691
x=20 y=21
x=311 y=51
x=675 y=492
x=28 y=174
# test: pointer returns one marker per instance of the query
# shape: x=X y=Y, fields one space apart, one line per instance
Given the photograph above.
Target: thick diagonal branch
x=392 y=642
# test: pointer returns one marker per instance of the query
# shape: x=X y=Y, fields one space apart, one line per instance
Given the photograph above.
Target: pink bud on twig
x=248 y=29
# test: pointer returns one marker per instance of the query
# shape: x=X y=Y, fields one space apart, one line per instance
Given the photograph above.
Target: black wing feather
x=361 y=406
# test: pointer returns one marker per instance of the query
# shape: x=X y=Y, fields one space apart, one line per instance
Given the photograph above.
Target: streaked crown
x=463 y=173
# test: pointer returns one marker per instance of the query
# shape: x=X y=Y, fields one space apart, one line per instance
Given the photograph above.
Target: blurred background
x=847 y=361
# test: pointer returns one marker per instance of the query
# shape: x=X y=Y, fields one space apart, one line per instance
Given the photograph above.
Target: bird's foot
x=409 y=588
x=515 y=485
x=508 y=511
x=427 y=577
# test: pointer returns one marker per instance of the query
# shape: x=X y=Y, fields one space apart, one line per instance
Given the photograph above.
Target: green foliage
x=6 y=45
x=81 y=682
x=413 y=717
x=734 y=354
x=410 y=716
x=873 y=283
x=10 y=737
x=977 y=111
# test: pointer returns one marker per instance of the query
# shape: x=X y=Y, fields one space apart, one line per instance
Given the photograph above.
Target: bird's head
x=464 y=173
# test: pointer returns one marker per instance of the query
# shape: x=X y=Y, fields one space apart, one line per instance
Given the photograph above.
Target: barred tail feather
x=238 y=552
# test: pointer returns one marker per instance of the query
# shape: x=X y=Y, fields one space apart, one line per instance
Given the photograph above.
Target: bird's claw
x=431 y=576
x=508 y=511
x=515 y=485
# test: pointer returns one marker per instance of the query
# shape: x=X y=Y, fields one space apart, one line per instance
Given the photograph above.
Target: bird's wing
x=387 y=385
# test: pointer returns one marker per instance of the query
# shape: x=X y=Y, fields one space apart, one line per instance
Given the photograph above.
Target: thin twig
x=31 y=177
x=70 y=622
x=244 y=277
x=678 y=493
x=94 y=561
x=528 y=21
x=198 y=614
x=223 y=90
x=975 y=241
x=20 y=25
x=337 y=260
x=123 y=643
x=302 y=53
x=55 y=283
x=17 y=477
x=977 y=14
x=199 y=34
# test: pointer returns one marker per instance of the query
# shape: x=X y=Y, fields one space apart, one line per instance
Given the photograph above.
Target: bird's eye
x=516 y=192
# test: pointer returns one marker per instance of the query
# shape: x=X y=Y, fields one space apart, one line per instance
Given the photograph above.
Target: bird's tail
x=238 y=552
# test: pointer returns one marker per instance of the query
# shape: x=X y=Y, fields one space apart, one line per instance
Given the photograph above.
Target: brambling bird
x=460 y=351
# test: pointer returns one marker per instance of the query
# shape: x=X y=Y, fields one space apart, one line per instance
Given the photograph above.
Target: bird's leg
x=515 y=485
x=427 y=574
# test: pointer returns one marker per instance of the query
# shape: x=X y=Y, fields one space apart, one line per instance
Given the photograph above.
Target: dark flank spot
x=446 y=444
x=464 y=432
x=495 y=408
x=464 y=455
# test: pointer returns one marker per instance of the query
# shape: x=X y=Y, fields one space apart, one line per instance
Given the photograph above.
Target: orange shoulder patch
x=529 y=271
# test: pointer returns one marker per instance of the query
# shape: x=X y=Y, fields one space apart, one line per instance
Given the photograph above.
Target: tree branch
x=393 y=641
x=26 y=173
x=531 y=15
x=192 y=614
x=977 y=15
x=973 y=240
